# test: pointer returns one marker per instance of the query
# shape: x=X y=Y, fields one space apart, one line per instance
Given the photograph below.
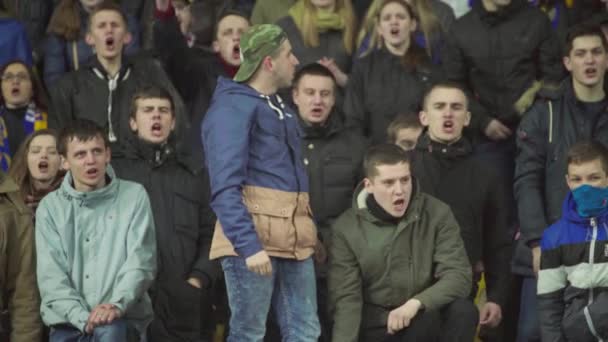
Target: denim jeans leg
x=528 y=329
x=114 y=332
x=249 y=298
x=295 y=300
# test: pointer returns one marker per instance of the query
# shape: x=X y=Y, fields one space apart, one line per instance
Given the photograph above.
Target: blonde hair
x=423 y=13
x=309 y=31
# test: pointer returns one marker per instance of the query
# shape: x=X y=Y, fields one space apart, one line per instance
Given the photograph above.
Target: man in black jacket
x=102 y=91
x=333 y=157
x=445 y=167
x=179 y=194
x=577 y=111
x=498 y=51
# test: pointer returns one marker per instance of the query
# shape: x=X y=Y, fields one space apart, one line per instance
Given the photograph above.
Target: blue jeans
x=291 y=290
x=114 y=332
x=528 y=327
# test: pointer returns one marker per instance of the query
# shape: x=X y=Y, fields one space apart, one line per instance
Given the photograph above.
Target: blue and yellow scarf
x=34 y=120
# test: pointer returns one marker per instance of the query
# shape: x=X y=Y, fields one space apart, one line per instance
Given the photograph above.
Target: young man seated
x=96 y=246
x=404 y=131
x=397 y=262
x=179 y=193
x=446 y=168
x=572 y=279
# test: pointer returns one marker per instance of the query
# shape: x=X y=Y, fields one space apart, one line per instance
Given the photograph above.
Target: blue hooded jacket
x=573 y=276
x=250 y=139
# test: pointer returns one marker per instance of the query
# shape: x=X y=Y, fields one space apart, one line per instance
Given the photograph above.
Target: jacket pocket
x=186 y=232
x=273 y=225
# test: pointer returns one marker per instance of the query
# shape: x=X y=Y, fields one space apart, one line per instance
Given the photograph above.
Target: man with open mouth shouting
x=446 y=168
x=575 y=112
x=102 y=90
x=179 y=194
x=397 y=261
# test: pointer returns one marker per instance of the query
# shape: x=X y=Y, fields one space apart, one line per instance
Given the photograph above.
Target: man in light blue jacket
x=96 y=246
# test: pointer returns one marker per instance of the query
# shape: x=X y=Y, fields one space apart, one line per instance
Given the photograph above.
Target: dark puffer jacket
x=472 y=190
x=179 y=195
x=554 y=123
x=498 y=56
x=380 y=88
x=334 y=160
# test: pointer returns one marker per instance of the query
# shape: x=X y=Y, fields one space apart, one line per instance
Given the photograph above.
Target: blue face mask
x=590 y=201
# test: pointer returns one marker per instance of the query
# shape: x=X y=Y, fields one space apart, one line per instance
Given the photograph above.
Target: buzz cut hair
x=383 y=154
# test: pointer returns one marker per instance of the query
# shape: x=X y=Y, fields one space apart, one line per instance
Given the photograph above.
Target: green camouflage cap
x=257 y=43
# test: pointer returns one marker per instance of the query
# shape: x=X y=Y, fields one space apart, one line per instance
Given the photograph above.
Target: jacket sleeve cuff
x=250 y=249
x=81 y=320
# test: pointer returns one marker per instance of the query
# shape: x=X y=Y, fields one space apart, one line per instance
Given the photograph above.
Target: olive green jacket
x=375 y=266
x=18 y=289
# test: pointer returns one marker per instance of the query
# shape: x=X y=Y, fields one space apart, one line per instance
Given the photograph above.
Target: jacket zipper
x=112 y=82
x=590 y=325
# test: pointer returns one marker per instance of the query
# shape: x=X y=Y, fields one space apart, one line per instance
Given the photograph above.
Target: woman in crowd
x=434 y=19
x=391 y=78
x=36 y=167
x=322 y=31
x=66 y=48
x=22 y=108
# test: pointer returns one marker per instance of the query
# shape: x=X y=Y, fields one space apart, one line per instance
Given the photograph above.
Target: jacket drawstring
x=275 y=108
x=112 y=85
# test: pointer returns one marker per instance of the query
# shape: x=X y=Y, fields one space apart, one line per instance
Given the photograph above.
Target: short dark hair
x=82 y=130
x=383 y=154
x=226 y=12
x=402 y=121
x=313 y=69
x=150 y=92
x=445 y=85
x=583 y=30
x=109 y=5
x=587 y=151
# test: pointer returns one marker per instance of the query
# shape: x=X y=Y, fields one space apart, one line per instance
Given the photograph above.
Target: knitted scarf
x=34 y=120
x=324 y=20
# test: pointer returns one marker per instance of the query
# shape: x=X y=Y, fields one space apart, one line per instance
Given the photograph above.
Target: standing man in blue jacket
x=264 y=236
x=96 y=246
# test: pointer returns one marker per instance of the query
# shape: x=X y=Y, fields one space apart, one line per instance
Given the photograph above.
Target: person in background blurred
x=19 y=298
x=36 y=167
x=23 y=108
x=322 y=31
x=435 y=18
x=389 y=80
x=14 y=43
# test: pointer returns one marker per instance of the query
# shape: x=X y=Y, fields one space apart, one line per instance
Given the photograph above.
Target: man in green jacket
x=398 y=268
x=96 y=246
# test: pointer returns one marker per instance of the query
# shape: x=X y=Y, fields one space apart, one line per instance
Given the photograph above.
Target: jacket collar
x=334 y=125
x=458 y=150
x=92 y=197
x=99 y=71
x=502 y=15
x=412 y=212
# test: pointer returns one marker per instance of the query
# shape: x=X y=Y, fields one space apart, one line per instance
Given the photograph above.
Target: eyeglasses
x=21 y=77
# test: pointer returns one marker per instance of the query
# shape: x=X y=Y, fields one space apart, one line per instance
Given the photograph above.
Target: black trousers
x=456 y=322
